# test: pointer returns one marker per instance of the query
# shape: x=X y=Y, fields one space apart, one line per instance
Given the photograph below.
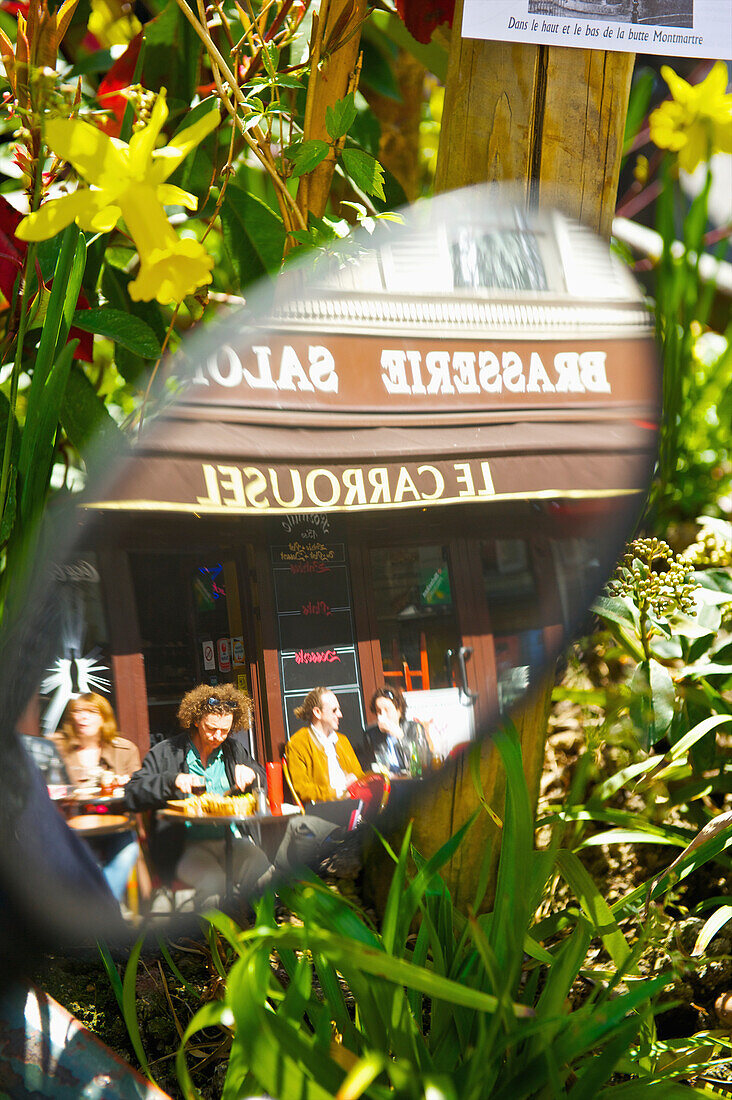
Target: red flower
x=119 y=76
x=422 y=16
x=12 y=255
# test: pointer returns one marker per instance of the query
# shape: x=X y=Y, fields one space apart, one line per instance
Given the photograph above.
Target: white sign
x=209 y=657
x=223 y=648
x=448 y=720
x=237 y=651
x=676 y=28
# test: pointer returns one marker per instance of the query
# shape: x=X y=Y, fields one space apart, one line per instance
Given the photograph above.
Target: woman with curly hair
x=203 y=757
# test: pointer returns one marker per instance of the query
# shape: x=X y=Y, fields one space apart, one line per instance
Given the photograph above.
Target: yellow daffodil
x=113 y=23
x=128 y=182
x=697 y=121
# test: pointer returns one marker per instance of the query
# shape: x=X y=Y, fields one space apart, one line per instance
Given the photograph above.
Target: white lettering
x=291 y=372
x=464 y=478
x=256 y=487
x=379 y=479
x=415 y=362
x=404 y=485
x=322 y=369
x=353 y=484
x=439 y=483
x=263 y=380
x=513 y=372
x=438 y=367
x=463 y=365
x=335 y=489
x=230 y=377
x=394 y=375
x=489 y=374
x=488 y=488
x=538 y=378
x=230 y=478
x=296 y=491
x=592 y=371
x=212 y=486
x=566 y=364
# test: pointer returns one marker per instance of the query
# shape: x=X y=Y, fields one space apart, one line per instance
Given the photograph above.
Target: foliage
x=666 y=619
x=694 y=471
x=166 y=161
x=436 y=1003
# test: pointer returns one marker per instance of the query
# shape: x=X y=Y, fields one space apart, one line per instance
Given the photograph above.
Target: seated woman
x=91 y=748
x=203 y=757
x=398 y=744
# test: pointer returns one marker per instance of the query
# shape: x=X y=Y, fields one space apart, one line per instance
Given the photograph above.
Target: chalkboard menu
x=314 y=619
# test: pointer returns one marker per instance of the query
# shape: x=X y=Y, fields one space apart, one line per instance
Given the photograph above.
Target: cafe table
x=253 y=824
x=91 y=825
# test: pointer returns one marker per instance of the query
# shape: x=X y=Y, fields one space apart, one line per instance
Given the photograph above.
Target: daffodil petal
x=678 y=87
x=715 y=84
x=89 y=150
x=170 y=274
x=170 y=195
x=167 y=160
x=89 y=209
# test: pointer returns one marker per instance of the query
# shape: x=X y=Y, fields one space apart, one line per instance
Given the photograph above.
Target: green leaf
x=652 y=699
x=616 y=609
x=306 y=155
x=85 y=418
x=129 y=1007
x=365 y=171
x=710 y=929
x=254 y=235
x=340 y=117
x=53 y=361
x=594 y=906
x=125 y=329
x=640 y=97
x=172 y=50
x=10 y=510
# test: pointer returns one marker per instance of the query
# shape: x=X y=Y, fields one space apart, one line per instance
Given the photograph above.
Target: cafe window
x=415 y=613
x=164 y=617
x=513 y=598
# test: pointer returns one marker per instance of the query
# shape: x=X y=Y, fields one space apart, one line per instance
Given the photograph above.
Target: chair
x=290 y=784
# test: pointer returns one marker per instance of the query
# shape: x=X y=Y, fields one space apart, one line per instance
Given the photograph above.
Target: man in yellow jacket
x=320 y=760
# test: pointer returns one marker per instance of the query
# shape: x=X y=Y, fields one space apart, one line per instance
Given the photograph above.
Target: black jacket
x=154 y=783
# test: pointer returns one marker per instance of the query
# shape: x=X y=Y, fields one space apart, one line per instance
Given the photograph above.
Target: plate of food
x=214 y=805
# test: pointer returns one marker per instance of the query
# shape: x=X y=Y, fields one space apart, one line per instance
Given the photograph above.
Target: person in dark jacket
x=399 y=744
x=204 y=757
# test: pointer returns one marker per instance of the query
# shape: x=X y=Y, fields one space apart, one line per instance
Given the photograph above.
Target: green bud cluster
x=710 y=549
x=654 y=579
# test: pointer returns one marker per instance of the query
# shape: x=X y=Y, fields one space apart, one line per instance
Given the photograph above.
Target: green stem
x=30 y=259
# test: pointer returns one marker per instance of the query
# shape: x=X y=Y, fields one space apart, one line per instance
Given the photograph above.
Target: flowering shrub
x=153 y=159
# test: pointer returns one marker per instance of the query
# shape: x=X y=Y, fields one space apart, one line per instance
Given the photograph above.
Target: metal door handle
x=464 y=654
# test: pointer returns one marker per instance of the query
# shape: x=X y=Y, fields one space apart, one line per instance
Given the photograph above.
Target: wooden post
x=549 y=118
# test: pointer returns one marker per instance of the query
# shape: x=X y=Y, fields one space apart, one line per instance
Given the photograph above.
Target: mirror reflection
x=360 y=535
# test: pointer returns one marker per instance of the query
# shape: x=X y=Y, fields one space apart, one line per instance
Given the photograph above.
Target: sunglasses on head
x=223 y=704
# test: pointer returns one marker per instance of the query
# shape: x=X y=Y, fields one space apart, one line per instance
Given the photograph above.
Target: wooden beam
x=548 y=118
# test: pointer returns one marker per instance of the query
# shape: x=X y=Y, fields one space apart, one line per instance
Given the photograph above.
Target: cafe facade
x=414 y=472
